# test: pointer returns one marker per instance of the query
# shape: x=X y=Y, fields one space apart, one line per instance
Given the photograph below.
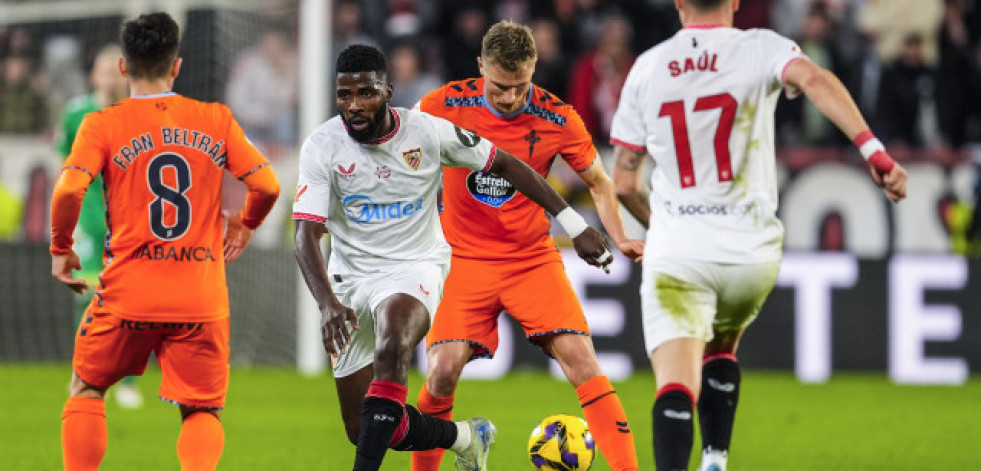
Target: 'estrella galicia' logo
x=467 y=137
x=362 y=210
x=489 y=188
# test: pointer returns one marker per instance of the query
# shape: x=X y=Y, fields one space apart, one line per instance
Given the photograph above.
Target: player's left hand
x=593 y=247
x=237 y=236
x=61 y=270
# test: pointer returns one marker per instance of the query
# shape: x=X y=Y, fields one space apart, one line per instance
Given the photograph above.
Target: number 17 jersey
x=702 y=105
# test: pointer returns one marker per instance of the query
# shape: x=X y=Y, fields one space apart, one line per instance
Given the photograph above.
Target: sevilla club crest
x=413 y=157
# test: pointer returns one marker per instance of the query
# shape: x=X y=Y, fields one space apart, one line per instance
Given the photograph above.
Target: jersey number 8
x=169 y=196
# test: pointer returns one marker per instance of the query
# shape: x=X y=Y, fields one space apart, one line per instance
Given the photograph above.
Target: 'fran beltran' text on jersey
x=379 y=200
x=701 y=104
x=483 y=216
x=162 y=158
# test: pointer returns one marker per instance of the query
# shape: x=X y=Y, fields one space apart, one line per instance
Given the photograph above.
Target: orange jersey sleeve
x=162 y=158
x=483 y=216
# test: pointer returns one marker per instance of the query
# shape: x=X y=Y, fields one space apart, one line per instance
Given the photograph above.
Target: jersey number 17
x=675 y=110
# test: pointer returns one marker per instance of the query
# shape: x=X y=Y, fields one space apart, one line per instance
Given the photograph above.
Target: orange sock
x=200 y=443
x=441 y=407
x=608 y=423
x=83 y=433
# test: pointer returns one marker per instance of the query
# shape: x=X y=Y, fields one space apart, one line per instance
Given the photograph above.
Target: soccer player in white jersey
x=370 y=177
x=702 y=104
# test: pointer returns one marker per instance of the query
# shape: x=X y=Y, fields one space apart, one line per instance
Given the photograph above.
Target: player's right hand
x=334 y=327
x=237 y=235
x=61 y=270
x=893 y=182
x=593 y=247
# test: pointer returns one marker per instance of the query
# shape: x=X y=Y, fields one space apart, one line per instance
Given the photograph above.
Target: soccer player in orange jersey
x=507 y=260
x=163 y=288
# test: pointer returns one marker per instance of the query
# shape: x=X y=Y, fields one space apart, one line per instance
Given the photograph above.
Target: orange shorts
x=193 y=356
x=535 y=293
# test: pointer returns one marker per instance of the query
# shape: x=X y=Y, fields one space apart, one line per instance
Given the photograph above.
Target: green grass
x=279 y=420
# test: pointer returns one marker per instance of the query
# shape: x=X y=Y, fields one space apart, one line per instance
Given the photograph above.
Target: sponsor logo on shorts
x=421 y=288
x=362 y=210
x=489 y=188
x=141 y=326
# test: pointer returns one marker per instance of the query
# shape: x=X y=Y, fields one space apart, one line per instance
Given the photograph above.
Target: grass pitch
x=278 y=420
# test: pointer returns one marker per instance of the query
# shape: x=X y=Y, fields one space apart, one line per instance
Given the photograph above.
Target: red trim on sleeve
x=627 y=145
x=309 y=217
x=490 y=159
x=783 y=73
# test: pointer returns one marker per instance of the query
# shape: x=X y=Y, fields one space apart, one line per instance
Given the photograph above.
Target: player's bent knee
x=187 y=411
x=79 y=388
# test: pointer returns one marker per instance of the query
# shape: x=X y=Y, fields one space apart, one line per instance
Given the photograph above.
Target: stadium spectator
x=349 y=26
x=409 y=76
x=63 y=72
x=714 y=243
x=598 y=75
x=810 y=127
x=152 y=148
x=907 y=107
x=23 y=108
x=263 y=89
x=552 y=69
x=386 y=269
x=890 y=22
x=957 y=73
x=509 y=262
x=108 y=87
x=462 y=45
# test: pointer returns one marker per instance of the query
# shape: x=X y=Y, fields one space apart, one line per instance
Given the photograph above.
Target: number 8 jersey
x=162 y=158
x=702 y=105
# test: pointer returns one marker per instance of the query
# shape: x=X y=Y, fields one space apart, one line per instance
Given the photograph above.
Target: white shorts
x=363 y=293
x=694 y=298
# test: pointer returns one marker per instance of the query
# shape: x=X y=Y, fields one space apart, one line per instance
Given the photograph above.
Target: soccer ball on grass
x=561 y=443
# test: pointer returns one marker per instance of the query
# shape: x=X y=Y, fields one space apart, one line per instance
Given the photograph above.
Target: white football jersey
x=379 y=200
x=702 y=105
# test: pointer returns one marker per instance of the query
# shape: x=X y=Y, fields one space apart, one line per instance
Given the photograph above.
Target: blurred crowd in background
x=914 y=67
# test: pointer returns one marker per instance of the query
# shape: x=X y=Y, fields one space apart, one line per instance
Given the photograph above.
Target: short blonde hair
x=509 y=45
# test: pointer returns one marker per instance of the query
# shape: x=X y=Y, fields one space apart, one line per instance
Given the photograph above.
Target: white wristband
x=572 y=222
x=870 y=147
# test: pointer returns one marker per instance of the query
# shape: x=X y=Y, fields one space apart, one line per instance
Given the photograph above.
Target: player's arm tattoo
x=631 y=192
x=629 y=161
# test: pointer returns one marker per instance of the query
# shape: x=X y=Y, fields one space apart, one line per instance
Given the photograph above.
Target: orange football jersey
x=161 y=158
x=483 y=216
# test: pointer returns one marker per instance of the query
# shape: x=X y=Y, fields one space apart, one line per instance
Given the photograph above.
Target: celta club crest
x=413 y=157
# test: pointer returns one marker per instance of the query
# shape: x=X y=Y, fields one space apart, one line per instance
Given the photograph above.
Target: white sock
x=462 y=437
